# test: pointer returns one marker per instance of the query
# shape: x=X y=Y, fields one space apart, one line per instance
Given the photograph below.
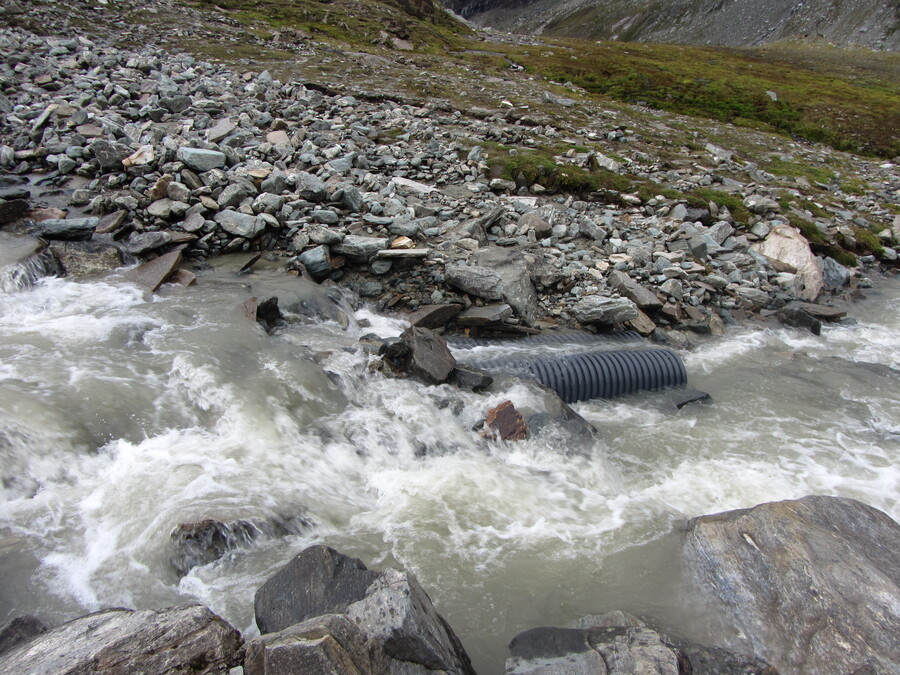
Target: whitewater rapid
x=123 y=415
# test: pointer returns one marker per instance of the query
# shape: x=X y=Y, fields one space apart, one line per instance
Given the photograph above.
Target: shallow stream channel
x=124 y=415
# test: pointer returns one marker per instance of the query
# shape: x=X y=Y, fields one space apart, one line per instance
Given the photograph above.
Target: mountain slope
x=869 y=23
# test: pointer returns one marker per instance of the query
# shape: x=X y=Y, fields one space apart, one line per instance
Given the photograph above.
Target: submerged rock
x=188 y=638
x=812 y=584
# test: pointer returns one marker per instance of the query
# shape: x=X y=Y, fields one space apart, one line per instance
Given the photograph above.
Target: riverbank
x=407 y=206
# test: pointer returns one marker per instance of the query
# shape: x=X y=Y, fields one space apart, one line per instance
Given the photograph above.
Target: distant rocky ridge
x=865 y=23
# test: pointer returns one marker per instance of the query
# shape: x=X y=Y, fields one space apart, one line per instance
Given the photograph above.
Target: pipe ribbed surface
x=601 y=374
x=548 y=339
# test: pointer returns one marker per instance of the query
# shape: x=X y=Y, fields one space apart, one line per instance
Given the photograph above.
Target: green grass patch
x=868 y=242
x=787 y=169
x=820 y=104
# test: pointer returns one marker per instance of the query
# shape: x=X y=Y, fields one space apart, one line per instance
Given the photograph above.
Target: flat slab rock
x=813 y=583
x=188 y=638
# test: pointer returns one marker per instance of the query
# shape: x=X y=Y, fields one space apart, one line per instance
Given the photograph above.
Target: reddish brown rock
x=507 y=422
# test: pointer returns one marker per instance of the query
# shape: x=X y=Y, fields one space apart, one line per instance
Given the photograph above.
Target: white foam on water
x=147 y=414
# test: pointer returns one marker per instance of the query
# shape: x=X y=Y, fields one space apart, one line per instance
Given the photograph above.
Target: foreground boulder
x=812 y=584
x=189 y=638
x=385 y=622
x=620 y=644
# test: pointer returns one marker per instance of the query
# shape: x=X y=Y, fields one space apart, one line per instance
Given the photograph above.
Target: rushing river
x=123 y=415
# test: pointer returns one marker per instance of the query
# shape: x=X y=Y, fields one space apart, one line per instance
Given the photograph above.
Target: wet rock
x=471 y=378
x=240 y=224
x=799 y=318
x=189 y=638
x=810 y=583
x=822 y=312
x=640 y=296
x=71 y=229
x=506 y=422
x=182 y=277
x=88 y=258
x=151 y=275
x=205 y=541
x=484 y=316
x=604 y=310
x=19 y=630
x=201 y=160
x=428 y=358
x=434 y=316
x=268 y=315
x=389 y=608
x=111 y=222
x=786 y=245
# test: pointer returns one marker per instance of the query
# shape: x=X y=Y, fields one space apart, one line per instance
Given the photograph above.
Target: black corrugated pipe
x=601 y=374
x=548 y=339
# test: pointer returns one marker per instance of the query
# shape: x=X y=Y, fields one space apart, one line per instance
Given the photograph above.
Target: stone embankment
x=120 y=156
x=808 y=586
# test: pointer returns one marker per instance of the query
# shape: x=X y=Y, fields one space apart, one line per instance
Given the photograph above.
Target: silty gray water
x=123 y=415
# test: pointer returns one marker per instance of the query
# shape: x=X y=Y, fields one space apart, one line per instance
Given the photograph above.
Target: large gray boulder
x=188 y=638
x=812 y=584
x=386 y=622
